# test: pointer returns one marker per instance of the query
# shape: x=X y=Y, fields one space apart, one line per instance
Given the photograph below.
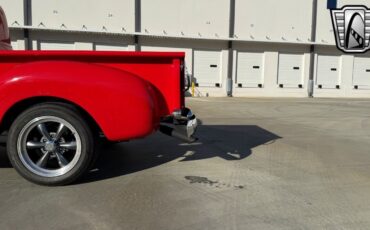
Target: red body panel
x=125 y=92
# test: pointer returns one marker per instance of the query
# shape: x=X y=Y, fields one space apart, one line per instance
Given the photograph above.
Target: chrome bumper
x=181 y=124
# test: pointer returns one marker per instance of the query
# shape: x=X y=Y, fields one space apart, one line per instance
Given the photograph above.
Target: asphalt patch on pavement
x=215 y=184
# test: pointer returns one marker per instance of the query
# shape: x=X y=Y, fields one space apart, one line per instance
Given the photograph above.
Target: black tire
x=19 y=151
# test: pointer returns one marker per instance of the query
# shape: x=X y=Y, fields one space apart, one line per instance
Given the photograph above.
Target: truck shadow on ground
x=4 y=161
x=229 y=142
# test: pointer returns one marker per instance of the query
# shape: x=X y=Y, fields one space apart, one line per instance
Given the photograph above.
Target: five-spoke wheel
x=51 y=144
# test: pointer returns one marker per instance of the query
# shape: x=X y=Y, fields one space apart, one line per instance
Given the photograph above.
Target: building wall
x=346 y=73
x=283 y=20
x=267 y=50
x=206 y=18
x=14 y=10
x=44 y=40
x=97 y=15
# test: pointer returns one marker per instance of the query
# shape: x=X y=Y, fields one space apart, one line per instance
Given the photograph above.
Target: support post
x=27 y=13
x=229 y=83
x=137 y=23
x=311 y=81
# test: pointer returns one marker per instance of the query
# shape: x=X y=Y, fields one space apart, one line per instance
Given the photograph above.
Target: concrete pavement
x=259 y=164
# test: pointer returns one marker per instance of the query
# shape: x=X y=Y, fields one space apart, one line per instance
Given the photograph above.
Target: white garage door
x=110 y=47
x=207 y=68
x=14 y=45
x=328 y=71
x=249 y=70
x=361 y=72
x=290 y=70
x=55 y=45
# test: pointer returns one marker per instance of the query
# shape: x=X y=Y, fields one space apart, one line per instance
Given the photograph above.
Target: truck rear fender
x=122 y=104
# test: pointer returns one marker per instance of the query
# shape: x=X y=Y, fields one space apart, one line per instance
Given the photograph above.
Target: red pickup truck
x=55 y=105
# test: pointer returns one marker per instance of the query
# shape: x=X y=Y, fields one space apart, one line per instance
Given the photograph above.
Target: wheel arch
x=16 y=109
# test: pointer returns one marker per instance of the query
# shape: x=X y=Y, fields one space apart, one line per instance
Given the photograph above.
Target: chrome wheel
x=49 y=146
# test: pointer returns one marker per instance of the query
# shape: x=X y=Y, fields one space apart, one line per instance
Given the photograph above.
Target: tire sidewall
x=65 y=113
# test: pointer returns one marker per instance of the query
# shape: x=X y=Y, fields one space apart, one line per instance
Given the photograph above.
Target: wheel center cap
x=50 y=146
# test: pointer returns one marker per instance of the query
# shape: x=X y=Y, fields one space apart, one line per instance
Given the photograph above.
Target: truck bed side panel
x=162 y=70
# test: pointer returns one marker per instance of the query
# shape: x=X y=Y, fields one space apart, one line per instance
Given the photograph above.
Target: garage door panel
x=327 y=71
x=361 y=72
x=290 y=73
x=207 y=68
x=14 y=45
x=56 y=45
x=249 y=69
